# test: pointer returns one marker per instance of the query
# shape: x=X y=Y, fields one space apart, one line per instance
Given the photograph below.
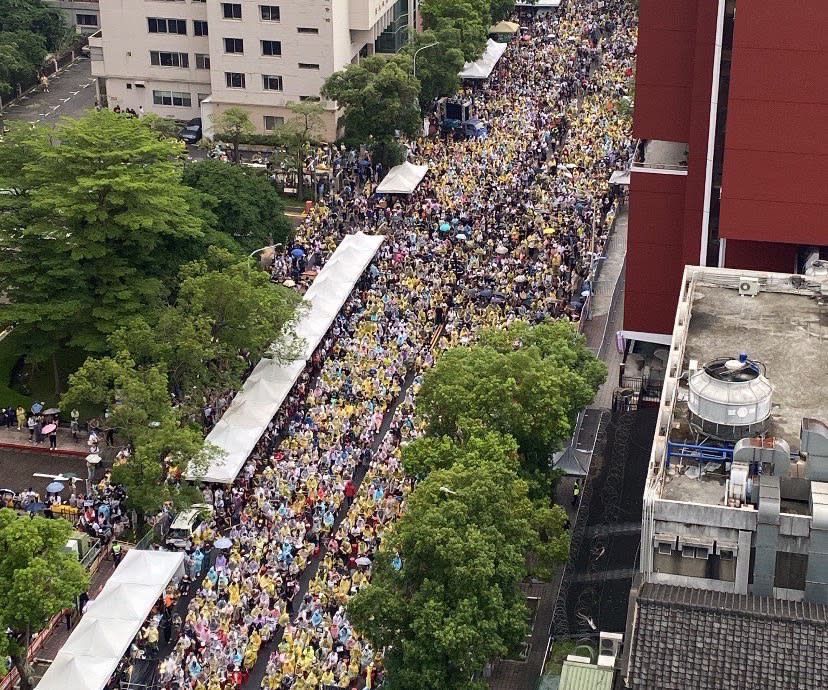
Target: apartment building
x=189 y=58
x=81 y=15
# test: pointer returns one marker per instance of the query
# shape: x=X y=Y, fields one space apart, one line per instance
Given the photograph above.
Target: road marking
x=55 y=107
x=63 y=100
x=87 y=85
x=43 y=114
x=74 y=93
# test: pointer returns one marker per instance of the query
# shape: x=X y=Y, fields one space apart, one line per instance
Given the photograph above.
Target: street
x=71 y=92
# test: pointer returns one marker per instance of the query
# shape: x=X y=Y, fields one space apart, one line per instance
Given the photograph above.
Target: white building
x=189 y=58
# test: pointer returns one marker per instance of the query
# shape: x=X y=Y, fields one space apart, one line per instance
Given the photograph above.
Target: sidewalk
x=13 y=439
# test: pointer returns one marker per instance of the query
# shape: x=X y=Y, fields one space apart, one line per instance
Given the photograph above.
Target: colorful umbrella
x=49 y=428
x=55 y=488
x=93 y=458
x=37 y=407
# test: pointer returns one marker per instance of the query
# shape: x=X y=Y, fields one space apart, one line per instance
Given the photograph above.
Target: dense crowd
x=503 y=228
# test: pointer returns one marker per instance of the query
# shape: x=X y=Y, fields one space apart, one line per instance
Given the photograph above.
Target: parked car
x=468 y=129
x=191 y=133
x=186 y=522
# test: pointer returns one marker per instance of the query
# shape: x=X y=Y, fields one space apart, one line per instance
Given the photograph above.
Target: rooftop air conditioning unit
x=609 y=648
x=748 y=287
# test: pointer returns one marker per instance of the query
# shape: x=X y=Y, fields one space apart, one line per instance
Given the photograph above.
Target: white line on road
x=87 y=85
x=55 y=107
x=63 y=100
x=74 y=93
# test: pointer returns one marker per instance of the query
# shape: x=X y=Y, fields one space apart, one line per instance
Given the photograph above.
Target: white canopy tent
x=620 y=177
x=402 y=179
x=91 y=654
x=242 y=425
x=539 y=4
x=482 y=68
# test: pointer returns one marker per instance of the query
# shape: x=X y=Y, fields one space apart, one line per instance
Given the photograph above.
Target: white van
x=185 y=523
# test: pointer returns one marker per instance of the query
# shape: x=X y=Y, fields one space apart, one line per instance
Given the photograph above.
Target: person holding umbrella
x=51 y=431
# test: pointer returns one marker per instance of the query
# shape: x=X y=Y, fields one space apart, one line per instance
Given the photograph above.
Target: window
x=200 y=28
x=271 y=122
x=233 y=45
x=271 y=47
x=307 y=30
x=202 y=60
x=269 y=13
x=174 y=98
x=158 y=25
x=166 y=59
x=86 y=20
x=665 y=549
x=308 y=65
x=202 y=96
x=235 y=80
x=272 y=82
x=231 y=10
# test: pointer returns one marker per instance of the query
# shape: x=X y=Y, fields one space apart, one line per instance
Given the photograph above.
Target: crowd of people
x=503 y=228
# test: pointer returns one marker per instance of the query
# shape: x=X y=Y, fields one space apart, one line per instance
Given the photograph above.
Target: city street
x=71 y=92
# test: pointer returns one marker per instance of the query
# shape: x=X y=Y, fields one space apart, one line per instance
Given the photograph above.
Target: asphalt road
x=71 y=92
x=18 y=467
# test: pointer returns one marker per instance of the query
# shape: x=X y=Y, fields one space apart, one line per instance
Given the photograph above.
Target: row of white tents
x=91 y=654
x=238 y=431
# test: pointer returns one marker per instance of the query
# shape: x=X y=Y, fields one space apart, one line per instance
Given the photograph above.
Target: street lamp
x=419 y=50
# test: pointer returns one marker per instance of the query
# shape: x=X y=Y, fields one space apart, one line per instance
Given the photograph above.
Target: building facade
x=82 y=15
x=730 y=106
x=190 y=58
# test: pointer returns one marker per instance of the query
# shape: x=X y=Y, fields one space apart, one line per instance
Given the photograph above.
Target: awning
x=402 y=179
x=242 y=425
x=482 y=68
x=505 y=27
x=91 y=654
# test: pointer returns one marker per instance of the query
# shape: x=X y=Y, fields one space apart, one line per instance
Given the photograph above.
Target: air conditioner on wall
x=748 y=287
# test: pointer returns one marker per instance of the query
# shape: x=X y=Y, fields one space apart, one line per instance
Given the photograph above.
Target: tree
x=469 y=20
x=298 y=134
x=379 y=97
x=166 y=127
x=151 y=475
x=527 y=382
x=36 y=17
x=501 y=9
x=444 y=597
x=233 y=124
x=246 y=205
x=98 y=222
x=38 y=580
x=438 y=68
x=134 y=397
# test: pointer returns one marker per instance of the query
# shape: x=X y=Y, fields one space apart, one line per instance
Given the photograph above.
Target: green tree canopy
x=38 y=580
x=468 y=20
x=438 y=68
x=452 y=601
x=528 y=382
x=379 y=98
x=36 y=17
x=233 y=124
x=98 y=224
x=246 y=205
x=298 y=134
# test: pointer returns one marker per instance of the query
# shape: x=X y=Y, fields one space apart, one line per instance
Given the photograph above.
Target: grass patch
x=557 y=655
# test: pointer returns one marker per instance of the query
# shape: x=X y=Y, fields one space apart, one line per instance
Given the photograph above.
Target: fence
x=156 y=534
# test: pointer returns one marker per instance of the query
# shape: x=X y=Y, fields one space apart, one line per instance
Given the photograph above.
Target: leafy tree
x=36 y=17
x=527 y=383
x=246 y=205
x=151 y=475
x=98 y=222
x=298 y=134
x=378 y=96
x=438 y=68
x=234 y=124
x=468 y=19
x=166 y=127
x=501 y=9
x=452 y=602
x=134 y=397
x=38 y=580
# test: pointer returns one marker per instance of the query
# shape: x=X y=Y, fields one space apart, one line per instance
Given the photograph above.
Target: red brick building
x=731 y=105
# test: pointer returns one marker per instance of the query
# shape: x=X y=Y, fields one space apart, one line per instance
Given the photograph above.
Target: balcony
x=661 y=157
